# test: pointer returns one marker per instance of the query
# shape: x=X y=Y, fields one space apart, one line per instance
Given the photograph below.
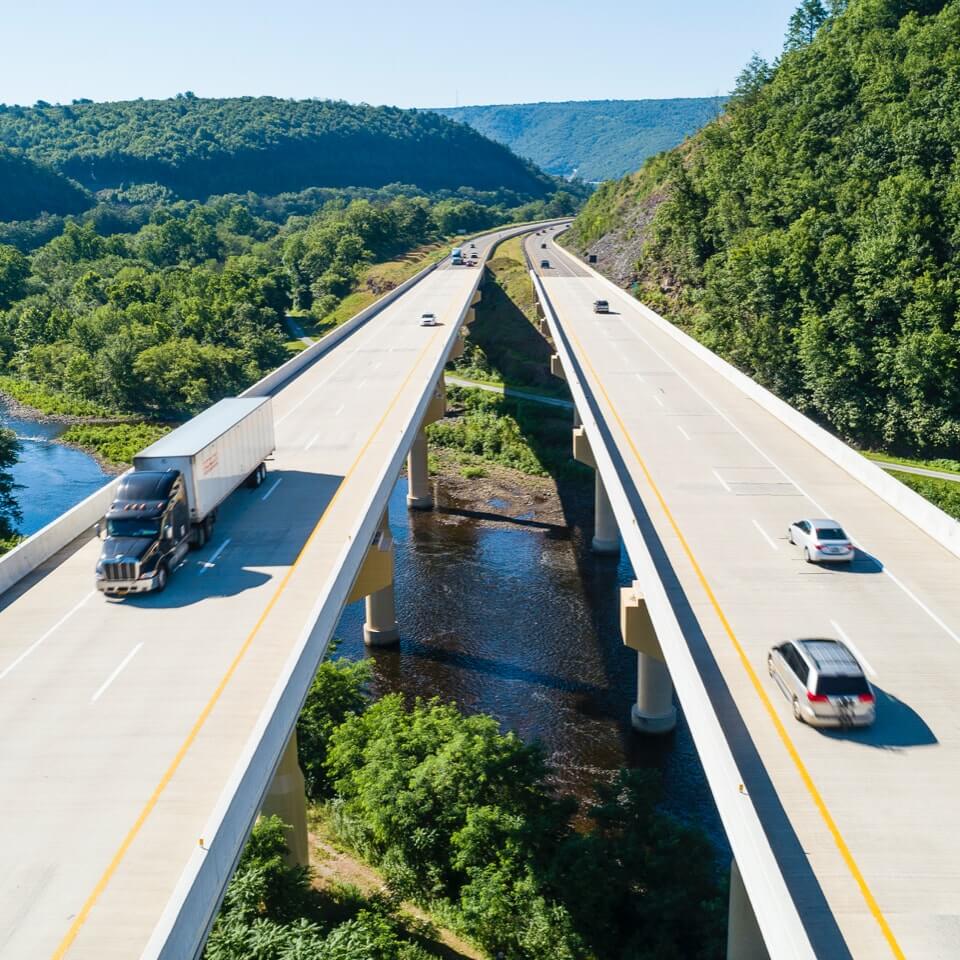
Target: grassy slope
x=505 y=346
x=338 y=872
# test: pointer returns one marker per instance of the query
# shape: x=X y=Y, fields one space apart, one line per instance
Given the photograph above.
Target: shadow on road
x=897 y=726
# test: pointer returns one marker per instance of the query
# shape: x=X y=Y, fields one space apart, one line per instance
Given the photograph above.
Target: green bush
x=117 y=443
x=453 y=810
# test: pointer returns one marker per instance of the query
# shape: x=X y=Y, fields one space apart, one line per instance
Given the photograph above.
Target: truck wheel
x=207 y=527
x=257 y=477
x=199 y=537
x=161 y=579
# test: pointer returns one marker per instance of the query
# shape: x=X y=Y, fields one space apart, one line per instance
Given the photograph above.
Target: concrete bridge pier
x=653 y=711
x=606 y=534
x=744 y=940
x=287 y=799
x=419 y=488
x=419 y=492
x=375 y=584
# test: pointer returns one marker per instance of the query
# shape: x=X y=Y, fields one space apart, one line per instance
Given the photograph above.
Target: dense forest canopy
x=199 y=147
x=163 y=321
x=591 y=139
x=28 y=188
x=812 y=233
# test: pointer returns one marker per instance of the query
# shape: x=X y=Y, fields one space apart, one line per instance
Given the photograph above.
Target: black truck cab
x=147 y=531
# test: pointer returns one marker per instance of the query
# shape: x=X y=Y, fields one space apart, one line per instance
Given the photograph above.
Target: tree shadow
x=896 y=727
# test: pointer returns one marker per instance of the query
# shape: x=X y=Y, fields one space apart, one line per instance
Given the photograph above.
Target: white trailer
x=216 y=451
x=168 y=502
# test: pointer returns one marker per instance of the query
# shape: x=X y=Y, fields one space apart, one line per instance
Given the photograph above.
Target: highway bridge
x=141 y=738
x=702 y=472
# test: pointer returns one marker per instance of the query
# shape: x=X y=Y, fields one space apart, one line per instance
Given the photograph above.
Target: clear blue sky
x=406 y=52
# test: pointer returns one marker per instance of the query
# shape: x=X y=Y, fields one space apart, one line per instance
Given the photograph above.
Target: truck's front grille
x=120 y=570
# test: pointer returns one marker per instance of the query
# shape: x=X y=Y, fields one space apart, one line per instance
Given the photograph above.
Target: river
x=516 y=619
x=523 y=623
x=51 y=477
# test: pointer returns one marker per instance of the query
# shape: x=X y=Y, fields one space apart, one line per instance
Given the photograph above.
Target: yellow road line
x=149 y=806
x=752 y=674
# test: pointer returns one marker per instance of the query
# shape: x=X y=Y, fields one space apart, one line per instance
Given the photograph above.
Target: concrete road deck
x=874 y=811
x=122 y=721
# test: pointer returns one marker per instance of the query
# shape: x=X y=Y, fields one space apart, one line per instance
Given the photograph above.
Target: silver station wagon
x=824 y=682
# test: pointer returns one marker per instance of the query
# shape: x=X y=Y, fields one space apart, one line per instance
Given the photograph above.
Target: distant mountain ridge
x=199 y=147
x=590 y=139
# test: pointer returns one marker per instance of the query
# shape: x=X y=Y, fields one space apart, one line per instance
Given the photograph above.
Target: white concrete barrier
x=916 y=508
x=57 y=534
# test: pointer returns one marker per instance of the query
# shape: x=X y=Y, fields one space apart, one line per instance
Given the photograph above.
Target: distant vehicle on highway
x=545 y=264
x=543 y=246
x=473 y=246
x=824 y=683
x=823 y=541
x=456 y=257
x=601 y=306
x=168 y=503
x=429 y=320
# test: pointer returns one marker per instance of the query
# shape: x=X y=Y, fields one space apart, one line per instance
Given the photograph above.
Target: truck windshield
x=133 y=527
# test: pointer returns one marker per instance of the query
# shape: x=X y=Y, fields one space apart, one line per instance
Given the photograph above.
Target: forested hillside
x=200 y=147
x=812 y=234
x=590 y=139
x=190 y=308
x=28 y=189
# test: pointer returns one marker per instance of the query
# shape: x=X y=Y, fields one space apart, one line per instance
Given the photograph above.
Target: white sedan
x=823 y=541
x=429 y=320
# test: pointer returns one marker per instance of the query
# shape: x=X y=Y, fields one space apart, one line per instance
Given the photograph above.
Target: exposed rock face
x=618 y=251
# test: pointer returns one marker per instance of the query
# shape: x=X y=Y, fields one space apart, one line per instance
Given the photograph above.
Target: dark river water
x=520 y=621
x=523 y=623
x=52 y=477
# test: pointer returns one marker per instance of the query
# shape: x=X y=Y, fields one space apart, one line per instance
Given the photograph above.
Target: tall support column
x=287 y=799
x=654 y=711
x=744 y=939
x=380 y=627
x=606 y=535
x=419 y=493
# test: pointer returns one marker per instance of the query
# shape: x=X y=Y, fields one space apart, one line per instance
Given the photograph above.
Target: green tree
x=14 y=270
x=804 y=23
x=10 y=514
x=338 y=691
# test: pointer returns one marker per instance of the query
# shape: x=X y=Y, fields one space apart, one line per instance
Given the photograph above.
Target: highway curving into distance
x=862 y=822
x=132 y=729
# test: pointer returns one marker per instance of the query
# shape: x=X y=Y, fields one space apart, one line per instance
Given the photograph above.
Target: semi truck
x=456 y=257
x=167 y=504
